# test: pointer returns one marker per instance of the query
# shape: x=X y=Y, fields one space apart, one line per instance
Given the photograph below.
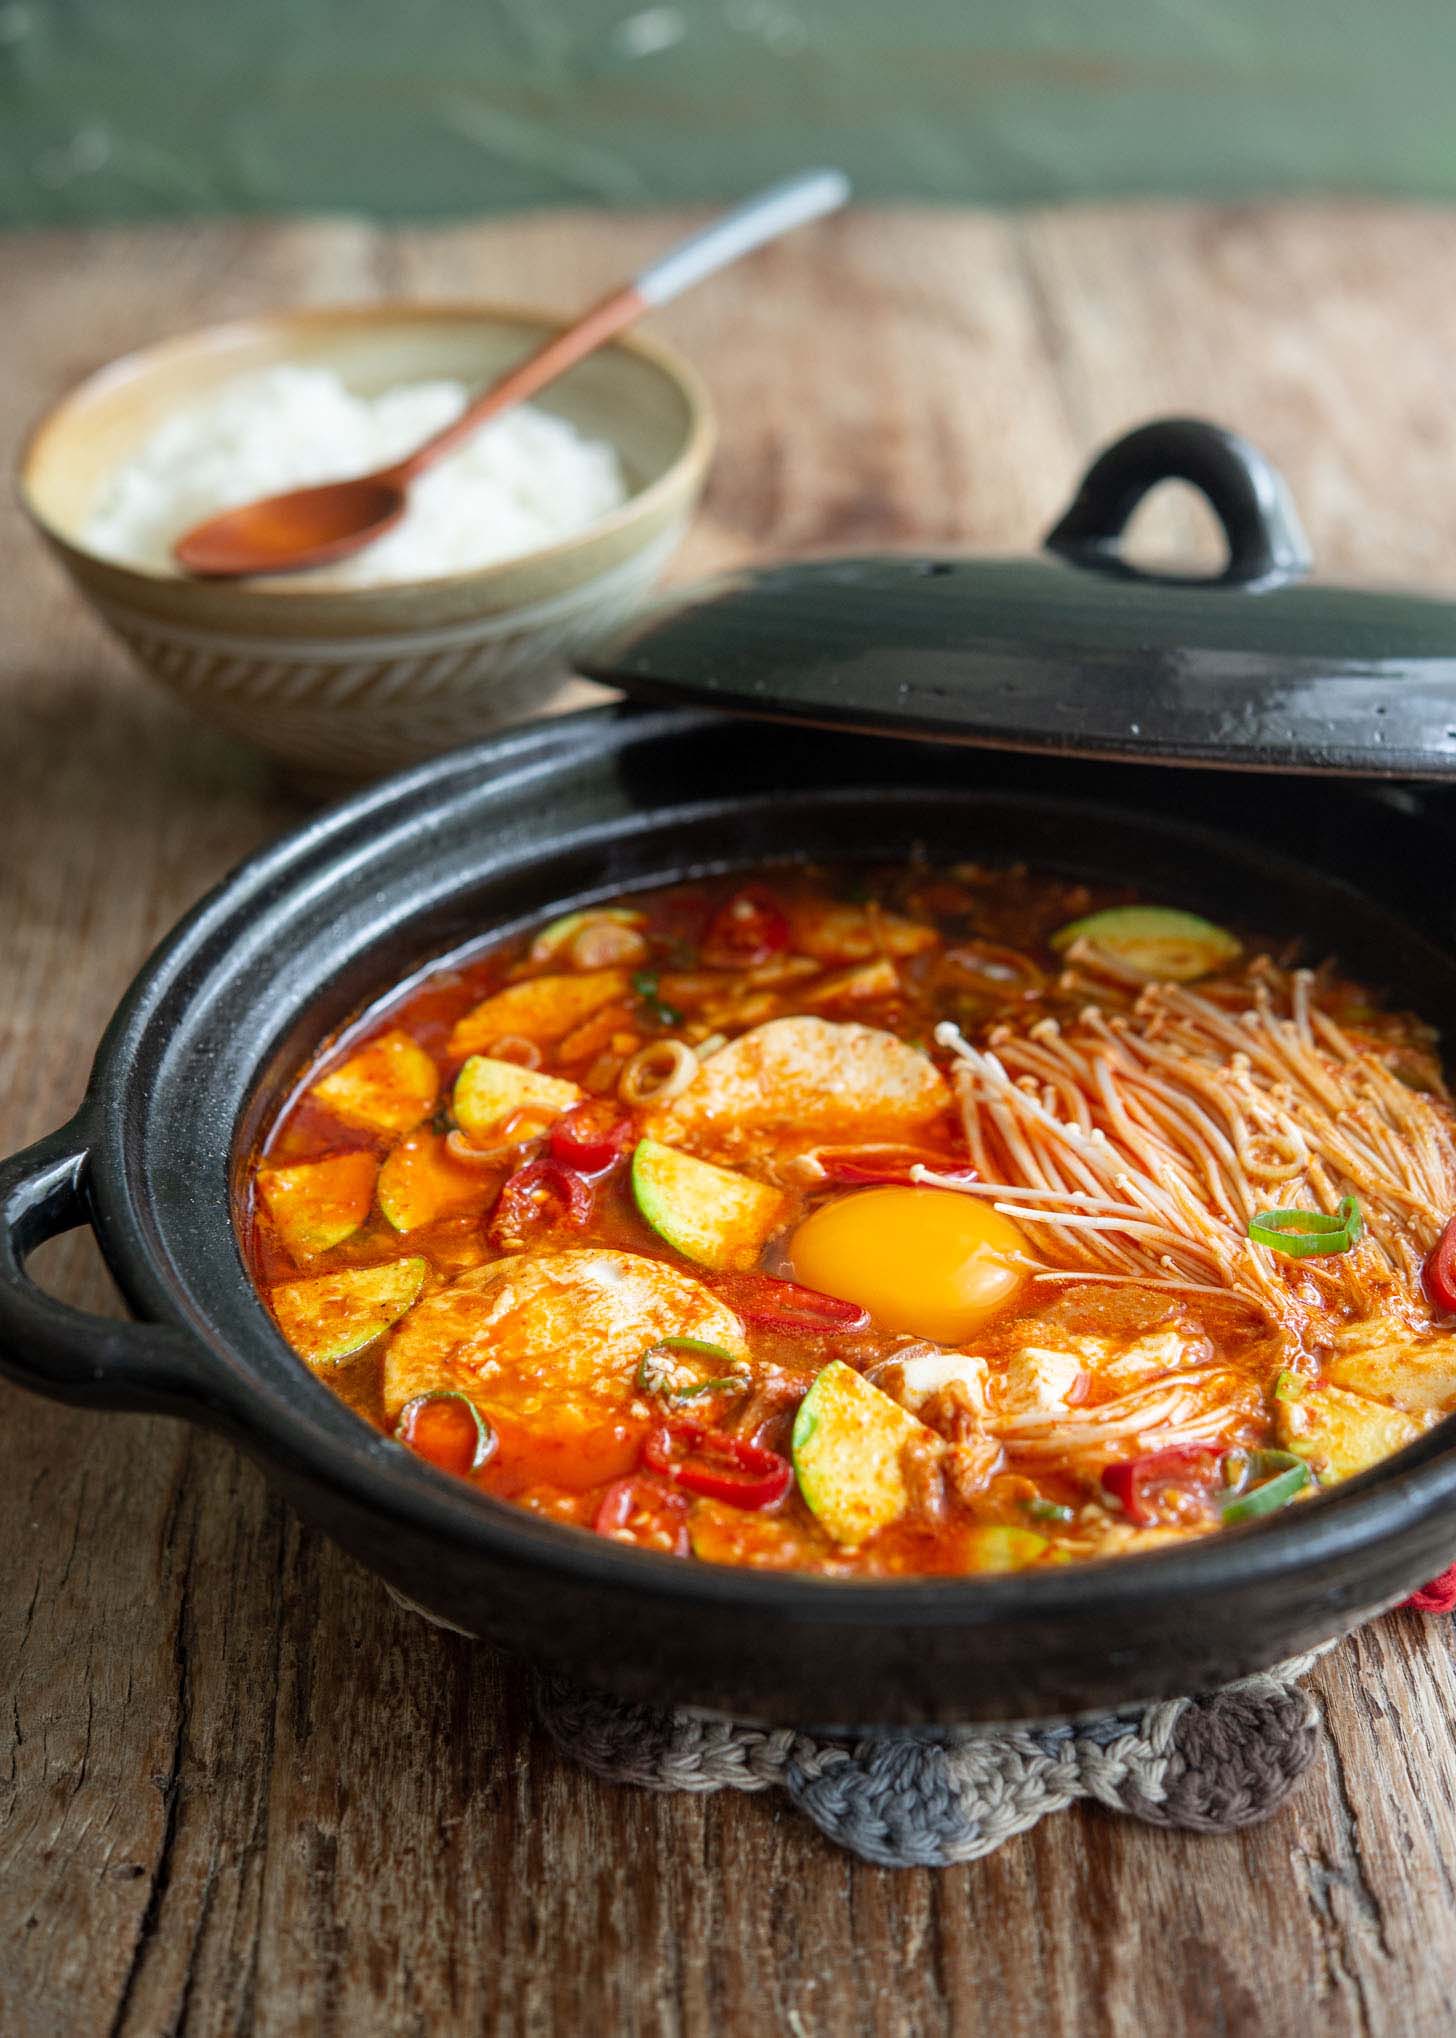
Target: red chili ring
x=716 y=1466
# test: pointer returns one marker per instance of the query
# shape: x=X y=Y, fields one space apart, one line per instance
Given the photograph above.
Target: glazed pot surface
x=304 y=937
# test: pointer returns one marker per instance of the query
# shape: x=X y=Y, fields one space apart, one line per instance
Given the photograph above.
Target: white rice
x=525 y=481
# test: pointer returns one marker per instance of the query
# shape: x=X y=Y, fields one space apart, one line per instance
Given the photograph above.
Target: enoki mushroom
x=1136 y=1144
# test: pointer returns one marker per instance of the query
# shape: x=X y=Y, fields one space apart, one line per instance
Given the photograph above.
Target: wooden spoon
x=315 y=526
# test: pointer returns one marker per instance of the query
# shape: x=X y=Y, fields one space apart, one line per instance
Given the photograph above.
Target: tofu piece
x=1341 y=1433
x=1386 y=1358
x=1149 y=1357
x=553 y=1341
x=925 y=1374
x=1038 y=1382
x=803 y=1079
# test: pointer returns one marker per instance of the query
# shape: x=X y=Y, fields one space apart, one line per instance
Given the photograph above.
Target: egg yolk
x=927 y=1261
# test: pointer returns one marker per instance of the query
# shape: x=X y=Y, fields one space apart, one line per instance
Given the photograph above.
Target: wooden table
x=239 y=1790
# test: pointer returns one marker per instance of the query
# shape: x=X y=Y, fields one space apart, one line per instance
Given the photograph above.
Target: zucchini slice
x=996 y=1546
x=317 y=1204
x=389 y=1086
x=329 y=1317
x=542 y=1009
x=710 y=1215
x=421 y=1182
x=1159 y=942
x=487 y=1092
x=847 y=1445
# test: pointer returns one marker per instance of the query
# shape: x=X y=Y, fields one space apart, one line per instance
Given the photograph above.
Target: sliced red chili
x=590 y=1137
x=645 y=1512
x=717 y=1466
x=542 y=1196
x=784 y=1305
x=748 y=929
x=889 y=1169
x=1439 y=1273
x=1139 y=1484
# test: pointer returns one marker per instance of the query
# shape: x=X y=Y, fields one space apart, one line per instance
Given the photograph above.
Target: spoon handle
x=774 y=211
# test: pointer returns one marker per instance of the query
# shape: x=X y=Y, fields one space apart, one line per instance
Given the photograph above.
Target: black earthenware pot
x=306 y=934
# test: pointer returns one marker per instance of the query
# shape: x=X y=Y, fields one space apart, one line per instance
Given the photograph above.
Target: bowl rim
x=686 y=468
x=342 y=1450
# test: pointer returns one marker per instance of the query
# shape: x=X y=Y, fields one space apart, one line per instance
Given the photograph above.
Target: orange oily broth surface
x=896 y=950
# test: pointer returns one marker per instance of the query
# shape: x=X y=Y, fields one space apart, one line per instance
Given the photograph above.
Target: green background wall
x=126 y=108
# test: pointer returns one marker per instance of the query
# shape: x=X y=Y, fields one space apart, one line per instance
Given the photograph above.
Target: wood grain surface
x=239 y=1790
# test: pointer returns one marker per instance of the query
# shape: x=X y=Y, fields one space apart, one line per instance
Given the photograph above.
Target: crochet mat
x=1207 y=1764
x=903 y=1801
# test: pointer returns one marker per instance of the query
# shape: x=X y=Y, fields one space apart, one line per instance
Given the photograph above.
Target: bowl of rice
x=546 y=529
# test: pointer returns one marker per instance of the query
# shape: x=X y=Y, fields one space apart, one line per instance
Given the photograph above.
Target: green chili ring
x=486 y=1440
x=658 y=1375
x=1290 y=1477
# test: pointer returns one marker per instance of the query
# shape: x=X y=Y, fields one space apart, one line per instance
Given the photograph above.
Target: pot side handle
x=48 y=1346
x=1266 y=542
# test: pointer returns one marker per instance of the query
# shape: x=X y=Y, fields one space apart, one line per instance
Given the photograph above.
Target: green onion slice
x=1289 y=1385
x=1049 y=1510
x=644 y=983
x=1306 y=1234
x=666 y=1369
x=1280 y=1475
x=484 y=1447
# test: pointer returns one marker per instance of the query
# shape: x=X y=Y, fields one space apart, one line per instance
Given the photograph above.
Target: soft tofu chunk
x=1038 y=1381
x=553 y=1341
x=1147 y=1358
x=804 y=1079
x=924 y=1374
x=1341 y=1433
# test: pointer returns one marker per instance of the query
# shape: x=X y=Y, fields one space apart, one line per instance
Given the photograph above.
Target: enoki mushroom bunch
x=1136 y=1145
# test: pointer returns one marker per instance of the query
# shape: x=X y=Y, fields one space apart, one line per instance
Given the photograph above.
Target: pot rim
x=320 y=1435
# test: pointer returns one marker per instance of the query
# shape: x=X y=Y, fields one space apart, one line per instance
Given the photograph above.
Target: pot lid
x=1077 y=651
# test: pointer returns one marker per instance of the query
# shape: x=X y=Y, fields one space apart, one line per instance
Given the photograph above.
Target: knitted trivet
x=1206 y=1764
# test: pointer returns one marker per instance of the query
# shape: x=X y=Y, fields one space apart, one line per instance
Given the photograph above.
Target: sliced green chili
x=1289 y=1385
x=661 y=1373
x=1280 y=1475
x=1049 y=1510
x=644 y=983
x=1307 y=1234
x=479 y=1442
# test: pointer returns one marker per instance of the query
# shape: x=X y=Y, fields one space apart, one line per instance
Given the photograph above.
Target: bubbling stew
x=875 y=1222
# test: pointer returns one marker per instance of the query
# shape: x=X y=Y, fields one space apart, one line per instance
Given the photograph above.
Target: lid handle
x=1266 y=543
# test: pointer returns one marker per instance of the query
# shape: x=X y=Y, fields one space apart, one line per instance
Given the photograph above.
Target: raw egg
x=927 y=1261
